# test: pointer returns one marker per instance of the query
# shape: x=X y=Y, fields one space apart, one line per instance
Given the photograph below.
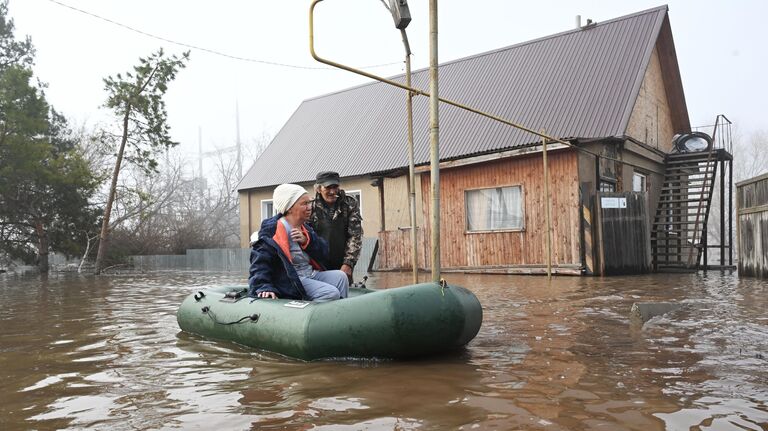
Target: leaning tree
x=137 y=100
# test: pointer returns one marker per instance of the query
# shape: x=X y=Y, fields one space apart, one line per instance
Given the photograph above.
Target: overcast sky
x=722 y=48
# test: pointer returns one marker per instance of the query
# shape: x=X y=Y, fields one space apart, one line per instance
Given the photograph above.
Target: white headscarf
x=285 y=195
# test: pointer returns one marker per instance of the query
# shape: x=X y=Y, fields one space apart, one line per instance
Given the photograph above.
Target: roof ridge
x=497 y=50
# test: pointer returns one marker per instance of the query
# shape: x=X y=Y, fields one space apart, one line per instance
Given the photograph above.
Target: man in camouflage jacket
x=336 y=218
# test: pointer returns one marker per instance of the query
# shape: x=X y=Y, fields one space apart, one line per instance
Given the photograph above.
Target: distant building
x=611 y=88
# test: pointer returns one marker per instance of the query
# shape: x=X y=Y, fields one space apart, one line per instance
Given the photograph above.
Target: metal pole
x=434 y=141
x=200 y=155
x=548 y=214
x=722 y=214
x=730 y=211
x=411 y=163
x=239 y=145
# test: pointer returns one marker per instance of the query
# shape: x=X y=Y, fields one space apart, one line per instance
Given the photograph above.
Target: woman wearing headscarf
x=285 y=261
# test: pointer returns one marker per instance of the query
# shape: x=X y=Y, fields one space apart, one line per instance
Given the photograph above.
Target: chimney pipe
x=578 y=21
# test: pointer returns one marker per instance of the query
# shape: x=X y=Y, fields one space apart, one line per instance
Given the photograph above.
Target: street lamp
x=401 y=14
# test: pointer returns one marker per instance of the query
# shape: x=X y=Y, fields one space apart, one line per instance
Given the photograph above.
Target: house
x=612 y=89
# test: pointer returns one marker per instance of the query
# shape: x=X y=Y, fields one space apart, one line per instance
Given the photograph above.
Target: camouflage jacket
x=341 y=226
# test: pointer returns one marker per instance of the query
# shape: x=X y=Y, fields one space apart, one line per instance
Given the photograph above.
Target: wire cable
x=210 y=51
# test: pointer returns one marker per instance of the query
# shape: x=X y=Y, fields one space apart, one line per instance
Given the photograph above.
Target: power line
x=210 y=51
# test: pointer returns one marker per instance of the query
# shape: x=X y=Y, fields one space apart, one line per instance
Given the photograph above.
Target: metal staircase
x=679 y=231
x=678 y=228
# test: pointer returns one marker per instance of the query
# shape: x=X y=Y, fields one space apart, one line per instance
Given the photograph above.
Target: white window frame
x=519 y=228
x=263 y=208
x=359 y=194
x=644 y=181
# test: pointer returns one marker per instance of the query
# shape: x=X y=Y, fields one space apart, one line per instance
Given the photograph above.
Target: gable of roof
x=576 y=84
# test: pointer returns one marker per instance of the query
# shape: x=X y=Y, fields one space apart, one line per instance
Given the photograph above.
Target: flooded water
x=107 y=353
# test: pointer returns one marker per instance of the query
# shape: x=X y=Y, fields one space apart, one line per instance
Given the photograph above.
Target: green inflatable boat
x=404 y=322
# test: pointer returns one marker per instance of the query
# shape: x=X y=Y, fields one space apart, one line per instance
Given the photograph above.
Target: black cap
x=327 y=178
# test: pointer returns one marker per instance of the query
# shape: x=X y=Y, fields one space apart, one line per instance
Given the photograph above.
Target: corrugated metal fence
x=227 y=260
x=623 y=225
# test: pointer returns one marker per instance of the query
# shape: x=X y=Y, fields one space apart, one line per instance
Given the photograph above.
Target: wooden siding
x=508 y=248
x=651 y=119
x=395 y=249
x=752 y=226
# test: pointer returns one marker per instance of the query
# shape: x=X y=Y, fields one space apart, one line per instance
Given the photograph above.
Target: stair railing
x=707 y=186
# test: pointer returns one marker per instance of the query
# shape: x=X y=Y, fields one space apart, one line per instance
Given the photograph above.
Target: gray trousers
x=324 y=286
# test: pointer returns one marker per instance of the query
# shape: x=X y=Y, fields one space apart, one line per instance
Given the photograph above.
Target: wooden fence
x=752 y=226
x=395 y=249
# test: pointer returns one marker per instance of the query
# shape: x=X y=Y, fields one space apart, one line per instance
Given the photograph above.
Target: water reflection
x=79 y=352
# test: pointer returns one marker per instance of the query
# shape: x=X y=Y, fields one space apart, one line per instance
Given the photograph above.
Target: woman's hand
x=298 y=236
x=270 y=295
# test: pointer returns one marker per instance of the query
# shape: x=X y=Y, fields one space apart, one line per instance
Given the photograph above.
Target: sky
x=721 y=47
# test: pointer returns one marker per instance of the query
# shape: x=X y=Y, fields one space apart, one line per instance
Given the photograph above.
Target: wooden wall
x=395 y=249
x=460 y=249
x=651 y=118
x=752 y=226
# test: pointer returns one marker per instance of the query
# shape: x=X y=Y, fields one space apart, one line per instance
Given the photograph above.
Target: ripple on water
x=48 y=381
x=550 y=355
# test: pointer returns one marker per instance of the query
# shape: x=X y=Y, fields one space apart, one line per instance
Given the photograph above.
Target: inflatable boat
x=403 y=322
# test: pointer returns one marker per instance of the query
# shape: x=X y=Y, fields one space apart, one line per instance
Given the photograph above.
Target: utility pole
x=238 y=144
x=434 y=141
x=200 y=154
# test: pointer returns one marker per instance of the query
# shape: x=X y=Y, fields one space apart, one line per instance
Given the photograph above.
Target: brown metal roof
x=577 y=84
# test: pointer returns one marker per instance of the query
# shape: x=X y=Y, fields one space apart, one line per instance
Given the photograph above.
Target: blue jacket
x=271 y=267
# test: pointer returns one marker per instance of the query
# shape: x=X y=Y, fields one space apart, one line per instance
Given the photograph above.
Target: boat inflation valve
x=199 y=296
x=361 y=284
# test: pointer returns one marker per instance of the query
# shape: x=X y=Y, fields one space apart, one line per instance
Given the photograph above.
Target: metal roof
x=580 y=83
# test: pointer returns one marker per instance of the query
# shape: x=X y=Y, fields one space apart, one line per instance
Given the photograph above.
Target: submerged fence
x=228 y=260
x=752 y=226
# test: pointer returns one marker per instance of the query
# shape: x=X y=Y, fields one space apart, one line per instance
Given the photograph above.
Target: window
x=607 y=186
x=267 y=209
x=499 y=208
x=638 y=182
x=358 y=197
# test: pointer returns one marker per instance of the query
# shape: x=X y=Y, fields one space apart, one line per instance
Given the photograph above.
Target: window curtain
x=491 y=209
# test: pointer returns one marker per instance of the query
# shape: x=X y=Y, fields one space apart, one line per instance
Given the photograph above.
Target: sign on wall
x=611 y=202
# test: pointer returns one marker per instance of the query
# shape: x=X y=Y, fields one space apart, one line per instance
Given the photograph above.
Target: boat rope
x=207 y=310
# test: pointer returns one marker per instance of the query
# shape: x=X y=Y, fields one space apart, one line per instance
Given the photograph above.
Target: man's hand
x=346 y=269
x=270 y=295
x=298 y=236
